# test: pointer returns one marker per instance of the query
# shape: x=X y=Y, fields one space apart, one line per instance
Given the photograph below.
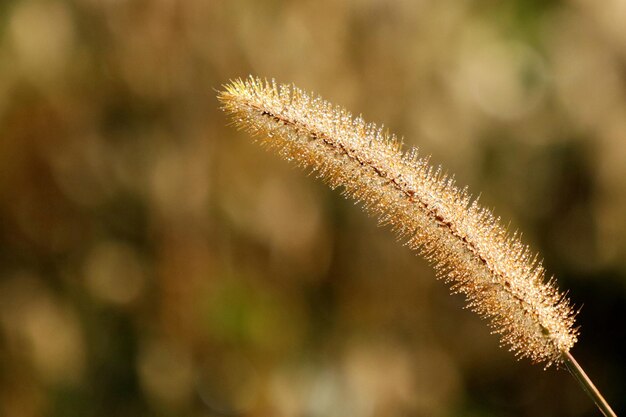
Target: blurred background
x=156 y=262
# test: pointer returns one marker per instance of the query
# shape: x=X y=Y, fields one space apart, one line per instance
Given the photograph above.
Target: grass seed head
x=499 y=276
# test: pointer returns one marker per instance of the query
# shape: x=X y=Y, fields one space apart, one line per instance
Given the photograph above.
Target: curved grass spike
x=499 y=276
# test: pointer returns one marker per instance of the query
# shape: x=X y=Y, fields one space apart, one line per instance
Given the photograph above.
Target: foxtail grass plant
x=501 y=279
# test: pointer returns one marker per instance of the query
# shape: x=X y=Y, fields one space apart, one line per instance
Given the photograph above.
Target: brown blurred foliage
x=154 y=261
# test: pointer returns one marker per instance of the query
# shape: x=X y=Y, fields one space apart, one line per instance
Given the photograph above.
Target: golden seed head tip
x=500 y=278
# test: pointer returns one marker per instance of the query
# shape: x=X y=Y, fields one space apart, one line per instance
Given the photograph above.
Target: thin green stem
x=579 y=374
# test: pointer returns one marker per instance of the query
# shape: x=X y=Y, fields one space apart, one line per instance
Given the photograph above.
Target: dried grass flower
x=502 y=280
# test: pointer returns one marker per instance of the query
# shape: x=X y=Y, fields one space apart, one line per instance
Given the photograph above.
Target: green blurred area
x=155 y=262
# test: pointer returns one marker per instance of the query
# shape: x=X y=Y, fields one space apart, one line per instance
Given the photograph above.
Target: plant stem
x=579 y=374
